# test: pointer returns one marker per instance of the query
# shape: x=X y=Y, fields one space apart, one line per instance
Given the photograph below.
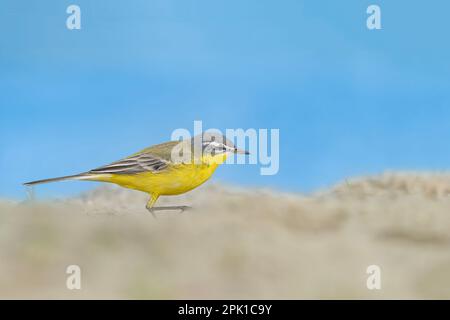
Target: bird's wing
x=142 y=162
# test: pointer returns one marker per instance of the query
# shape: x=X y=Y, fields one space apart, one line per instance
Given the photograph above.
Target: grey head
x=214 y=143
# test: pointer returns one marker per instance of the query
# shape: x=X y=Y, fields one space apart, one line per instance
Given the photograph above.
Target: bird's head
x=215 y=147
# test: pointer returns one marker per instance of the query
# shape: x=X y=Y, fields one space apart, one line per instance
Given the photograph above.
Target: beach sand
x=235 y=243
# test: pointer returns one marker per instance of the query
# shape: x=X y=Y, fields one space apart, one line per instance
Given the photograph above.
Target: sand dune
x=235 y=243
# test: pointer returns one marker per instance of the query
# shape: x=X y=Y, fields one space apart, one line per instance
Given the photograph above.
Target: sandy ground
x=235 y=243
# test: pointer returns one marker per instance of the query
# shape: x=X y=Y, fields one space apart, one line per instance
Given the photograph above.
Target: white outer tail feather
x=81 y=176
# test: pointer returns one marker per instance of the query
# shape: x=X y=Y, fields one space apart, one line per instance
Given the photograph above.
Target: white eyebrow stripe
x=216 y=144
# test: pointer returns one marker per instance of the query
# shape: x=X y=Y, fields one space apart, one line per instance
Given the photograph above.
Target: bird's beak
x=240 y=151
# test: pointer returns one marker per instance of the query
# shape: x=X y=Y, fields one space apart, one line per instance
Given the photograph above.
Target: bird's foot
x=153 y=210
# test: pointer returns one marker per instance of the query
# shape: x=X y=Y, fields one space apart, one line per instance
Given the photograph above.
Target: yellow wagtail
x=169 y=168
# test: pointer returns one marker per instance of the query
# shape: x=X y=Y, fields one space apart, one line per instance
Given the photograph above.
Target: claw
x=168 y=208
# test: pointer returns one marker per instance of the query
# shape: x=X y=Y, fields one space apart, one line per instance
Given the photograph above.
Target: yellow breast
x=175 y=180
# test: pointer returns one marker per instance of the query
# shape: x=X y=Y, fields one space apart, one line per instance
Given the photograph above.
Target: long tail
x=81 y=176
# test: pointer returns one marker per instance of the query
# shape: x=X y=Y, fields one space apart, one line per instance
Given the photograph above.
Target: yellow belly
x=175 y=180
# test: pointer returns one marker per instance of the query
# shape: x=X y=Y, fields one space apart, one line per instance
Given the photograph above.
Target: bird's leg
x=150 y=206
x=153 y=209
x=151 y=203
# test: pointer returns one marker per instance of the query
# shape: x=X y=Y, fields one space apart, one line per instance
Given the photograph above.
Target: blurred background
x=349 y=102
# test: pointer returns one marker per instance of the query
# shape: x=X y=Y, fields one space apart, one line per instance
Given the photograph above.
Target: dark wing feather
x=143 y=162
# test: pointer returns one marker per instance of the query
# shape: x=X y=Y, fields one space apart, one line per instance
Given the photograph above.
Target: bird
x=169 y=168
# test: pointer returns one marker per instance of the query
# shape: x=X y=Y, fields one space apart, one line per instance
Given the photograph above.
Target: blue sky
x=348 y=101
